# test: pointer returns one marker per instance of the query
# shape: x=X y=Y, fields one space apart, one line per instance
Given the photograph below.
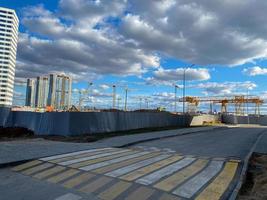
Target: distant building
x=53 y=90
x=41 y=93
x=59 y=96
x=30 y=93
x=9 y=24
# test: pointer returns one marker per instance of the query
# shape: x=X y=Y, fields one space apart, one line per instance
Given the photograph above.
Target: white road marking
x=127 y=169
x=155 y=149
x=69 y=196
x=72 y=154
x=151 y=178
x=109 y=162
x=69 y=162
x=189 y=188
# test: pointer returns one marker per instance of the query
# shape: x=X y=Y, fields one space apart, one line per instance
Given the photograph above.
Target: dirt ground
x=9 y=134
x=255 y=187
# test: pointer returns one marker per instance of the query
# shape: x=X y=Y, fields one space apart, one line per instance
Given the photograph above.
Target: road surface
x=233 y=142
x=204 y=165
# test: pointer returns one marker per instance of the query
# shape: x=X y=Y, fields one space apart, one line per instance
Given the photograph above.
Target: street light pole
x=184 y=89
x=114 y=97
x=90 y=92
x=126 y=96
x=175 y=98
x=247 y=106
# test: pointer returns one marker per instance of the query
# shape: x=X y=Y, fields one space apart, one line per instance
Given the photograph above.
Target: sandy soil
x=255 y=187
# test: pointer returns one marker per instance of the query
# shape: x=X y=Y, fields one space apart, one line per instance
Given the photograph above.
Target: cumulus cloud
x=78 y=49
x=225 y=88
x=88 y=39
x=104 y=86
x=200 y=31
x=171 y=76
x=177 y=74
x=255 y=71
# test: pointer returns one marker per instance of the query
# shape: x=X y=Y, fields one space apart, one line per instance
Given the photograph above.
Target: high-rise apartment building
x=41 y=93
x=59 y=96
x=9 y=24
x=30 y=92
x=53 y=90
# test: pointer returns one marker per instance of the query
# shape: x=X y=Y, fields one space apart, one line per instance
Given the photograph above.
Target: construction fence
x=77 y=123
x=251 y=119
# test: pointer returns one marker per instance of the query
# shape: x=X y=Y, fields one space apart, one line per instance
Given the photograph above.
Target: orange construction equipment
x=239 y=102
x=49 y=109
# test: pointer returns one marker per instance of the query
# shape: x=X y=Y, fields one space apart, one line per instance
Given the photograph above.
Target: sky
x=144 y=46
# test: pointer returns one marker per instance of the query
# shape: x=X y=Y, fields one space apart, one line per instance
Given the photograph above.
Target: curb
x=14 y=163
x=164 y=137
x=243 y=175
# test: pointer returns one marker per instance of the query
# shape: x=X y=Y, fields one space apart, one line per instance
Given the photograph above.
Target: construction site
x=79 y=120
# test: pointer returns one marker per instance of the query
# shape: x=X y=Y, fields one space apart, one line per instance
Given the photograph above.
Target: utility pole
x=247 y=105
x=126 y=96
x=184 y=89
x=140 y=103
x=118 y=102
x=114 y=96
x=147 y=103
x=175 y=98
x=90 y=91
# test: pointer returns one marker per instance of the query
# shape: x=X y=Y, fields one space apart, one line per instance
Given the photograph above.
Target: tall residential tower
x=9 y=24
x=30 y=93
x=53 y=90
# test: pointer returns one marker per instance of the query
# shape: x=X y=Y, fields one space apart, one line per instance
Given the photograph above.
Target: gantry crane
x=238 y=101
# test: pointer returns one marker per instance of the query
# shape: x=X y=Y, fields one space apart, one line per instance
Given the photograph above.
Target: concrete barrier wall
x=200 y=119
x=234 y=119
x=77 y=123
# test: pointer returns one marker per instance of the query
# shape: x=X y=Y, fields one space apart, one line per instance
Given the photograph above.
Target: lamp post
x=247 y=104
x=175 y=98
x=118 y=102
x=184 y=88
x=126 y=98
x=114 y=96
x=90 y=92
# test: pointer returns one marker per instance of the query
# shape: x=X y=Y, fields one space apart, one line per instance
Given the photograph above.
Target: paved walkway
x=124 y=173
x=13 y=151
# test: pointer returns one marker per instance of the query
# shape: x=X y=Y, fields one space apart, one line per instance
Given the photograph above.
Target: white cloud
x=104 y=86
x=171 y=76
x=199 y=74
x=79 y=39
x=254 y=71
x=225 y=88
x=201 y=32
x=78 y=49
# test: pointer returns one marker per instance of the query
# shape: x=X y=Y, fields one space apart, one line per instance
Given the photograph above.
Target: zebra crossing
x=115 y=173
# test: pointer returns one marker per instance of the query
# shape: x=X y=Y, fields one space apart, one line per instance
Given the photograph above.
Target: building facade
x=59 y=96
x=9 y=24
x=41 y=93
x=30 y=93
x=53 y=90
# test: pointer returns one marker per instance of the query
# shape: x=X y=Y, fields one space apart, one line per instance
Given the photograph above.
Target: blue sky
x=144 y=46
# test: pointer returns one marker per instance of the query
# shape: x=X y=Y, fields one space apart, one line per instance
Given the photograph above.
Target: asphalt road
x=136 y=173
x=233 y=142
